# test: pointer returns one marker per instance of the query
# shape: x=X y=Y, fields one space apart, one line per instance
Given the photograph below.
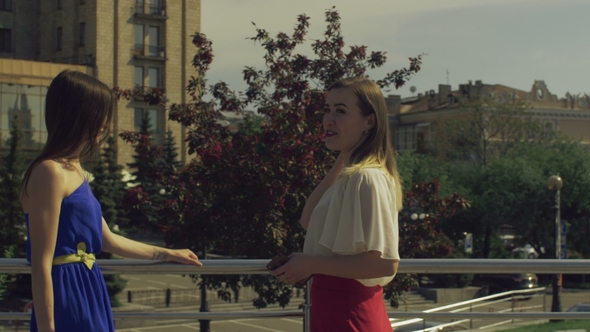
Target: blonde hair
x=376 y=150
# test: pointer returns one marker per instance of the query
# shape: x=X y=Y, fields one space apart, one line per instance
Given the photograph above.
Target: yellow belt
x=80 y=256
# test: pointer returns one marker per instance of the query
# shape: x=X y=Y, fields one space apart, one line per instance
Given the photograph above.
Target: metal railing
x=258 y=266
x=153 y=8
x=155 y=51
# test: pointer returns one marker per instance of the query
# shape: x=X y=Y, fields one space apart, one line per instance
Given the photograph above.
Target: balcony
x=151 y=11
x=153 y=52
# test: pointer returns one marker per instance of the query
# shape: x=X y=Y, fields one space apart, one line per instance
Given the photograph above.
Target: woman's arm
x=122 y=246
x=366 y=265
x=46 y=190
x=319 y=191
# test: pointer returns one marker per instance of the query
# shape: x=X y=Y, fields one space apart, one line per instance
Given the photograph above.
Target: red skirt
x=346 y=305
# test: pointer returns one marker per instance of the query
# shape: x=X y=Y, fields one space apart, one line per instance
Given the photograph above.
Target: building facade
x=124 y=43
x=415 y=119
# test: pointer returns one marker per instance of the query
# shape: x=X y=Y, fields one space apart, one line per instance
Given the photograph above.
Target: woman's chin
x=331 y=147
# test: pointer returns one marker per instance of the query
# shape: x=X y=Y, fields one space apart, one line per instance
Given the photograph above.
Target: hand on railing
x=183 y=256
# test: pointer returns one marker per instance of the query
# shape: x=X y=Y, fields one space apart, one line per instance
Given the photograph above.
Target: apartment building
x=124 y=43
x=414 y=120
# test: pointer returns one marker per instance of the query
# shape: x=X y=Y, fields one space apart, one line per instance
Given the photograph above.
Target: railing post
x=168 y=295
x=307 y=307
x=204 y=324
x=470 y=320
x=513 y=302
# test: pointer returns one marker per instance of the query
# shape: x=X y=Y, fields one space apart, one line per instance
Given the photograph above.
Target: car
x=497 y=283
x=580 y=307
x=527 y=252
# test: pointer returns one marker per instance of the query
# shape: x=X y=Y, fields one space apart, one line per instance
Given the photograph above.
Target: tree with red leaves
x=242 y=194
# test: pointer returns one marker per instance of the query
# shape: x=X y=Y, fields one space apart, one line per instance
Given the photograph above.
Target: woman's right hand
x=299 y=267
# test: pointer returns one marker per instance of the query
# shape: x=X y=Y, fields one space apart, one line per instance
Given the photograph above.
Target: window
x=405 y=138
x=138 y=77
x=59 y=4
x=152 y=117
x=139 y=39
x=5 y=40
x=59 y=39
x=82 y=33
x=139 y=6
x=154 y=78
x=155 y=8
x=154 y=33
x=6 y=5
x=24 y=102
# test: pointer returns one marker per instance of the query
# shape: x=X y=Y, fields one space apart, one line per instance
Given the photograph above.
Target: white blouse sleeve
x=367 y=218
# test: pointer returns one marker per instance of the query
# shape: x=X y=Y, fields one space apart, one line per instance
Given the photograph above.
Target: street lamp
x=555 y=183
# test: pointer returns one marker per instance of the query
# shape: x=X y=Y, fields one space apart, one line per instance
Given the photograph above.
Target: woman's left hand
x=299 y=267
x=183 y=256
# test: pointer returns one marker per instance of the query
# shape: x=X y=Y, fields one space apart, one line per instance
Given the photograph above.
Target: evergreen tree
x=108 y=188
x=12 y=222
x=101 y=188
x=171 y=163
x=138 y=166
x=145 y=216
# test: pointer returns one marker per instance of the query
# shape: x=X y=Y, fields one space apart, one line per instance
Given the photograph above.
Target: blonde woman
x=351 y=245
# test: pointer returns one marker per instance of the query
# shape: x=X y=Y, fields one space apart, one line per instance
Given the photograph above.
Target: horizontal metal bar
x=258 y=266
x=138 y=266
x=298 y=314
x=495 y=266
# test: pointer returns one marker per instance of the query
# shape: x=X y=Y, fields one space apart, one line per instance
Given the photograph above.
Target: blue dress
x=81 y=301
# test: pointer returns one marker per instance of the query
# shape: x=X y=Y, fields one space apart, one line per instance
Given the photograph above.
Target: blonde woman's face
x=344 y=124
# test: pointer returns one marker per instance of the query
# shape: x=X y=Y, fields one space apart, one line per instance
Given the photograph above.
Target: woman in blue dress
x=66 y=228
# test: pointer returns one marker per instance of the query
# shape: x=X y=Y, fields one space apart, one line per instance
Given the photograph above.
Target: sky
x=508 y=42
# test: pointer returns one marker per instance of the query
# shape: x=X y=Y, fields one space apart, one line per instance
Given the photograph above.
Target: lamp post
x=555 y=183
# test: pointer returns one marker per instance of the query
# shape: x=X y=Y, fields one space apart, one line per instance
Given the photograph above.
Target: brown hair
x=376 y=149
x=77 y=108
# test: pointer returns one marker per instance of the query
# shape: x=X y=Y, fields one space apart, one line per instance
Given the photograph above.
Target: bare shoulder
x=48 y=171
x=47 y=181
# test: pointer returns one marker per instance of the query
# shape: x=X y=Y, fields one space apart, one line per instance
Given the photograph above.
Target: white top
x=356 y=214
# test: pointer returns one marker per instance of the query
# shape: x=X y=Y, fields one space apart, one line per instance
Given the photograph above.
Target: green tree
x=144 y=215
x=484 y=129
x=171 y=163
x=252 y=124
x=108 y=186
x=512 y=191
x=5 y=279
x=416 y=168
x=535 y=219
x=12 y=221
x=109 y=189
